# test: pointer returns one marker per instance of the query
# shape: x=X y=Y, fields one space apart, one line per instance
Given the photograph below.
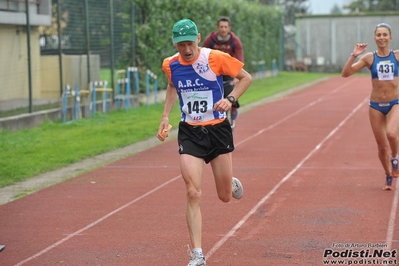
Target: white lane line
x=392 y=217
x=282 y=181
x=97 y=221
x=170 y=181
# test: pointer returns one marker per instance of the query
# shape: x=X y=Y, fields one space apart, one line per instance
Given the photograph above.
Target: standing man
x=195 y=77
x=223 y=39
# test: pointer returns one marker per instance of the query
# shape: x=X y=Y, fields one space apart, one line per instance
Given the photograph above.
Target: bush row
x=258 y=26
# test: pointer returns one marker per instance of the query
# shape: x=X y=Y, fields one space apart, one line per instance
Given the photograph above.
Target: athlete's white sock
x=198 y=251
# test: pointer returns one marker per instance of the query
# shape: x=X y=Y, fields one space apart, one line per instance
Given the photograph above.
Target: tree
x=372 y=5
x=290 y=7
x=293 y=7
x=336 y=10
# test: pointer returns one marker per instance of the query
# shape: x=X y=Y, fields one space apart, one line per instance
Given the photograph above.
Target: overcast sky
x=324 y=6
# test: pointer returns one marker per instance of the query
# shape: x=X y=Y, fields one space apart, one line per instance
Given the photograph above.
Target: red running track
x=312 y=182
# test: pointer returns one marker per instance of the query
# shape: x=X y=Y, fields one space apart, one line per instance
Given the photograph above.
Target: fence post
x=150 y=75
x=156 y=90
x=135 y=72
x=274 y=68
x=65 y=94
x=93 y=99
x=76 y=103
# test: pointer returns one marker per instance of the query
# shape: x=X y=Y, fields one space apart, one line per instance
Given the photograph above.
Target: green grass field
x=27 y=153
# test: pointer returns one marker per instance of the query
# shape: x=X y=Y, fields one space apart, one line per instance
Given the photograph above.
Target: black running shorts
x=206 y=142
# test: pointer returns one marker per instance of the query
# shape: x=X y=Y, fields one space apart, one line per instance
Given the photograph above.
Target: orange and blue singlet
x=199 y=84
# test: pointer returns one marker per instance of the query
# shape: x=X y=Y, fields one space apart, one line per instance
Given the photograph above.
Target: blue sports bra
x=384 y=68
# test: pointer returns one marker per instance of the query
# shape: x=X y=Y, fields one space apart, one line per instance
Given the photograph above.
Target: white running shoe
x=238 y=190
x=195 y=259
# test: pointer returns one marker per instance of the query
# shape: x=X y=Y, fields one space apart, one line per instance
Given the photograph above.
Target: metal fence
x=85 y=37
x=324 y=43
x=92 y=27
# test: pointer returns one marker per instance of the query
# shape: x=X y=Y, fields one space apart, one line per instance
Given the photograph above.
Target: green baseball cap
x=184 y=30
